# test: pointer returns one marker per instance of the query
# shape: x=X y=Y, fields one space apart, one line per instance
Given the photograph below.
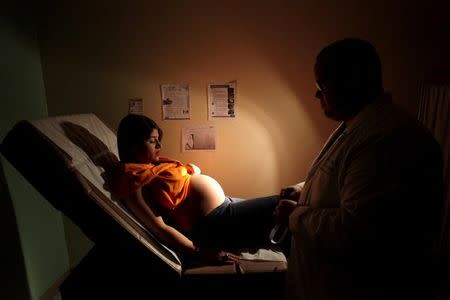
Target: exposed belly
x=204 y=194
x=206 y=191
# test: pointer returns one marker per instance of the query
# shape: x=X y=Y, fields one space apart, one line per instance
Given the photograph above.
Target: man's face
x=326 y=93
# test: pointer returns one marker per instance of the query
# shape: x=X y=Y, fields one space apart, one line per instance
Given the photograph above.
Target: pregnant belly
x=205 y=194
x=206 y=191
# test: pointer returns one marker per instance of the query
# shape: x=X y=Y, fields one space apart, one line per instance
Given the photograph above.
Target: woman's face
x=148 y=152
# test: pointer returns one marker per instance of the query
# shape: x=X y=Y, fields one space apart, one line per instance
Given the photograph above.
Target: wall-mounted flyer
x=222 y=100
x=135 y=106
x=198 y=138
x=175 y=102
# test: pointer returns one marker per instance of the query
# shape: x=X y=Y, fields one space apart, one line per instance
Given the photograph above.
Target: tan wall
x=97 y=55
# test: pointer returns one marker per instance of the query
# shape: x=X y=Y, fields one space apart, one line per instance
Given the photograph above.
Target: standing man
x=364 y=221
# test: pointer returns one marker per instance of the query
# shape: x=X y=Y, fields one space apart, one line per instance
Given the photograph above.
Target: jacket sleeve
x=373 y=190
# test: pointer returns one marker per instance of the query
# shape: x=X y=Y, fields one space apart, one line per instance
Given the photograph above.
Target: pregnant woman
x=185 y=209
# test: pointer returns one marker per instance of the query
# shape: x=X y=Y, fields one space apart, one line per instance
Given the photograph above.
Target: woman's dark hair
x=134 y=130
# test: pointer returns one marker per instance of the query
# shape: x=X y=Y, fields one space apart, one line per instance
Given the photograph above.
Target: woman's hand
x=216 y=256
x=193 y=169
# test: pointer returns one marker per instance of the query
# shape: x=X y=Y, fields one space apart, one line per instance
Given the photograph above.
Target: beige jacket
x=369 y=202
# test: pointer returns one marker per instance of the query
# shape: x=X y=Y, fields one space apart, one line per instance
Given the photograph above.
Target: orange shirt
x=170 y=177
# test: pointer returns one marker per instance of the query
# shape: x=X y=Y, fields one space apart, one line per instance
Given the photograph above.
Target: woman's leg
x=246 y=223
x=252 y=220
x=238 y=224
x=234 y=199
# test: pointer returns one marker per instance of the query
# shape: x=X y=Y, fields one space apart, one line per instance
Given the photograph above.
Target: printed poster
x=222 y=100
x=198 y=138
x=175 y=102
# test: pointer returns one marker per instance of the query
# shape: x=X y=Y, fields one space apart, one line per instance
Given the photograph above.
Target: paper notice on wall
x=222 y=100
x=198 y=138
x=135 y=106
x=175 y=102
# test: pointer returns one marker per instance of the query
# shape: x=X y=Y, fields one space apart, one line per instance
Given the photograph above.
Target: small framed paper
x=135 y=106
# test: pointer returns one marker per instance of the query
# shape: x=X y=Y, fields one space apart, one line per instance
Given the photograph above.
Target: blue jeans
x=237 y=224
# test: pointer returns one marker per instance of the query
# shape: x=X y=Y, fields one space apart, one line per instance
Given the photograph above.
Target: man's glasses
x=319 y=87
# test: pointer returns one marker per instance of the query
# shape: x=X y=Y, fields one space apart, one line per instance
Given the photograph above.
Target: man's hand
x=291 y=192
x=282 y=211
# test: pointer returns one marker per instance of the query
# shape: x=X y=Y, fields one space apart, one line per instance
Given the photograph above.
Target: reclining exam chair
x=68 y=160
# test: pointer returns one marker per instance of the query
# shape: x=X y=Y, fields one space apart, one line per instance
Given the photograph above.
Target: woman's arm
x=167 y=234
x=171 y=236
